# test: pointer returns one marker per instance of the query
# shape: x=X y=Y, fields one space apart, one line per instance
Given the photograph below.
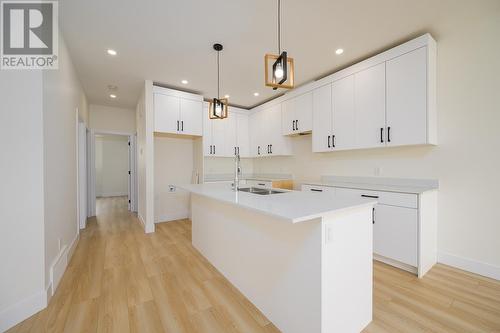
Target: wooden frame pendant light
x=217 y=108
x=279 y=69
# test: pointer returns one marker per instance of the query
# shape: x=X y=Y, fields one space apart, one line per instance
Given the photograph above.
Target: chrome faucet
x=237 y=172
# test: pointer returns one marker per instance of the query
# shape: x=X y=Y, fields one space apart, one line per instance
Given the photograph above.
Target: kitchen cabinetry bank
x=404 y=219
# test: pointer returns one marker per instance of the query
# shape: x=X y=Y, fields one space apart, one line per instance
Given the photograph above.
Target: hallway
x=122 y=280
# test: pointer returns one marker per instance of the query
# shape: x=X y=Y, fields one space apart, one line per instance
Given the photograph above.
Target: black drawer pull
x=381 y=135
x=297 y=124
x=389 y=134
x=369 y=196
x=373 y=215
x=261 y=184
x=333 y=141
x=329 y=142
x=316 y=190
x=293 y=125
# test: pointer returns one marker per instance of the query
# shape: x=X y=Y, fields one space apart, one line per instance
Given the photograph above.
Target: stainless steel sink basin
x=259 y=190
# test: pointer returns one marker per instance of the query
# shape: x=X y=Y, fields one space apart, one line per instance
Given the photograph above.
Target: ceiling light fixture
x=282 y=69
x=184 y=82
x=217 y=108
x=226 y=96
x=112 y=52
x=112 y=95
x=339 y=51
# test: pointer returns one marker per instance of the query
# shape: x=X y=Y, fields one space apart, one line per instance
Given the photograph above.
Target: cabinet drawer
x=261 y=183
x=384 y=198
x=319 y=189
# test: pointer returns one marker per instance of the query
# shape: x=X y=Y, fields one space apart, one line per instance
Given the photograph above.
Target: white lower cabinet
x=404 y=225
x=395 y=233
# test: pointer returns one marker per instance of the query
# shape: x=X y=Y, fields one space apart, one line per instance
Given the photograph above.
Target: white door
x=322 y=119
x=395 y=233
x=344 y=117
x=369 y=99
x=243 y=135
x=191 y=117
x=288 y=117
x=230 y=141
x=218 y=137
x=303 y=112
x=207 y=132
x=166 y=111
x=407 y=98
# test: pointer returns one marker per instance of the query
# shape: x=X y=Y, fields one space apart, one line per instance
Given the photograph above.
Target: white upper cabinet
x=344 y=116
x=266 y=137
x=407 y=98
x=213 y=135
x=322 y=119
x=177 y=112
x=231 y=141
x=369 y=95
x=242 y=134
x=297 y=114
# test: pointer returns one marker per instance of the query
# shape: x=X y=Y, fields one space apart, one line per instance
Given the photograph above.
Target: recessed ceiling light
x=256 y=94
x=339 y=51
x=226 y=96
x=184 y=82
x=112 y=52
x=112 y=96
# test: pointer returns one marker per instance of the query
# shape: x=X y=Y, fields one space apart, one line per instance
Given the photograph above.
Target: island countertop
x=292 y=206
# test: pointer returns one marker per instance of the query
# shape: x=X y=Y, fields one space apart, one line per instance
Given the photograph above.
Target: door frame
x=91 y=175
x=81 y=159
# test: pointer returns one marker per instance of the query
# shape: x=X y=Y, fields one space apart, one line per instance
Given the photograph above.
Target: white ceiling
x=167 y=41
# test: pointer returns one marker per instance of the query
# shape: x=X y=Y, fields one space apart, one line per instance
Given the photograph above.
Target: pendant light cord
x=279 y=27
x=218 y=76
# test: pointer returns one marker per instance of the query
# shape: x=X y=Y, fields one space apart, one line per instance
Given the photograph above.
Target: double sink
x=260 y=190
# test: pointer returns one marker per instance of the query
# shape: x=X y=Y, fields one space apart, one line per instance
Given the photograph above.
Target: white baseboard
x=22 y=310
x=172 y=217
x=61 y=262
x=469 y=265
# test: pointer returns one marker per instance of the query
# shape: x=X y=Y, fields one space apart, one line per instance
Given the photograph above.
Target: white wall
x=225 y=165
x=21 y=196
x=112 y=119
x=111 y=165
x=62 y=96
x=467 y=160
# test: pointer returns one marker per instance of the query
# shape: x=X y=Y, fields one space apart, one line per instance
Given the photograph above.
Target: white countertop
x=252 y=176
x=400 y=185
x=293 y=206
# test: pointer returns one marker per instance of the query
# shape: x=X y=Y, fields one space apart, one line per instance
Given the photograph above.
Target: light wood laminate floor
x=122 y=280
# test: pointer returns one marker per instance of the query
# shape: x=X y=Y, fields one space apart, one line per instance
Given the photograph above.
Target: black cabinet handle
x=369 y=196
x=293 y=125
x=389 y=134
x=258 y=150
x=238 y=150
x=373 y=215
x=177 y=126
x=297 y=124
x=316 y=190
x=329 y=142
x=214 y=149
x=182 y=126
x=261 y=184
x=234 y=151
x=210 y=149
x=333 y=141
x=271 y=149
x=381 y=135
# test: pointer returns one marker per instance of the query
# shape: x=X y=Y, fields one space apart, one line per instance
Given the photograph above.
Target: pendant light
x=280 y=65
x=218 y=106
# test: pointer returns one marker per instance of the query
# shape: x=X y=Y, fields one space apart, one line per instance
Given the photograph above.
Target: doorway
x=111 y=165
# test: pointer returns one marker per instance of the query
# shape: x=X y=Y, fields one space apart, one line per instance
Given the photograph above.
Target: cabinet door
x=166 y=113
x=230 y=141
x=344 y=117
x=407 y=98
x=369 y=99
x=280 y=145
x=322 y=119
x=395 y=233
x=242 y=135
x=303 y=113
x=191 y=117
x=218 y=137
x=288 y=117
x=255 y=134
x=207 y=132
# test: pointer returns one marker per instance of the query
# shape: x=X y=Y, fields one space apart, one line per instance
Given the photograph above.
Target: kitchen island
x=303 y=259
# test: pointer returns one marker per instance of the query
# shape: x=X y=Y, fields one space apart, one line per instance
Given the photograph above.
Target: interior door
x=369 y=99
x=395 y=233
x=344 y=117
x=322 y=119
x=407 y=98
x=166 y=113
x=191 y=117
